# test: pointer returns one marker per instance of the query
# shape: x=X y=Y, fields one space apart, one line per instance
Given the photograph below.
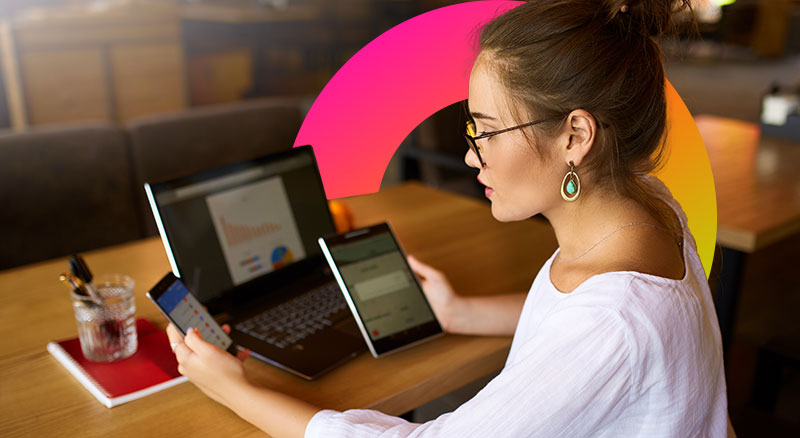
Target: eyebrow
x=482 y=116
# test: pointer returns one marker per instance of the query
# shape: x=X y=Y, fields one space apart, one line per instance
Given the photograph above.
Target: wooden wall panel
x=147 y=79
x=80 y=62
x=223 y=76
x=65 y=85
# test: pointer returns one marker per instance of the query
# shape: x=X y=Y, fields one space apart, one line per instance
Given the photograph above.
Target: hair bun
x=649 y=18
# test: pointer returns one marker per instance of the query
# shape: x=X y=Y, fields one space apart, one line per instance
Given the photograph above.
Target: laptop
x=243 y=238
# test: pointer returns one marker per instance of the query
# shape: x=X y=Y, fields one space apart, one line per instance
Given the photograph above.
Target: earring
x=571 y=184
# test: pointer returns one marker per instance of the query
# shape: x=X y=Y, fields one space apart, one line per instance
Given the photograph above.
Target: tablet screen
x=381 y=286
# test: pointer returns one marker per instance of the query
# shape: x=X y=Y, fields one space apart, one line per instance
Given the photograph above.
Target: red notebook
x=151 y=369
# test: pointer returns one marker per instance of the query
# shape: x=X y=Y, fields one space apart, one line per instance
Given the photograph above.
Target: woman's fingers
x=194 y=340
x=421 y=268
x=243 y=354
x=173 y=334
x=182 y=353
x=175 y=337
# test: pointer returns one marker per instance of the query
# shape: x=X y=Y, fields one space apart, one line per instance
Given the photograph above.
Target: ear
x=578 y=135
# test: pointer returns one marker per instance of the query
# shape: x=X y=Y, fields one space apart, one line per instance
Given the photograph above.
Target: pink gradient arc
x=387 y=89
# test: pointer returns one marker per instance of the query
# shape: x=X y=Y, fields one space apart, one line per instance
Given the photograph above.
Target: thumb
x=194 y=340
x=421 y=268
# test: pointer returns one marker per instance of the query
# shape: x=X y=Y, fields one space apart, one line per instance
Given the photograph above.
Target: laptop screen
x=227 y=226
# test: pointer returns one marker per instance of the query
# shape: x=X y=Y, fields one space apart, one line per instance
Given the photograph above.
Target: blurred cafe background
x=98 y=96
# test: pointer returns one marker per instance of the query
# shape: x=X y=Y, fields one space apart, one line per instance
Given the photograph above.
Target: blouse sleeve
x=569 y=379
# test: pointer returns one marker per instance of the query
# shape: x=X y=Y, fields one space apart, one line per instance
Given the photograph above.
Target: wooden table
x=758 y=199
x=38 y=397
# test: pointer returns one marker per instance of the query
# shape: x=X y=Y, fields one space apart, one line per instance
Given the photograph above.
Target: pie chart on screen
x=281 y=255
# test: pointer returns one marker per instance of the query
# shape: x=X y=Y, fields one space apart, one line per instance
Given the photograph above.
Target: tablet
x=383 y=293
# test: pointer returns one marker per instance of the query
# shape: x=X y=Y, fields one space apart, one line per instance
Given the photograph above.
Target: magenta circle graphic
x=387 y=89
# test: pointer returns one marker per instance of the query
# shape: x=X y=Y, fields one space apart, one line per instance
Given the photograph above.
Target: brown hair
x=555 y=56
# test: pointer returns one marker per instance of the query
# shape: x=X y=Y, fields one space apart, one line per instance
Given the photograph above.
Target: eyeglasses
x=472 y=138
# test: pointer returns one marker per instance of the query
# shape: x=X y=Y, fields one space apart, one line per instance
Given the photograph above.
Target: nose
x=471 y=159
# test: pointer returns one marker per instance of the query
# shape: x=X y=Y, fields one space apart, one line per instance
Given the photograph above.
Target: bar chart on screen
x=255 y=228
x=236 y=234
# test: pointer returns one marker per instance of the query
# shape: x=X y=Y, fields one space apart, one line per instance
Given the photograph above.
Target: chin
x=504 y=215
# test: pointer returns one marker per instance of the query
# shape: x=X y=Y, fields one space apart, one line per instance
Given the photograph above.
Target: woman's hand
x=491 y=315
x=446 y=304
x=221 y=377
x=211 y=369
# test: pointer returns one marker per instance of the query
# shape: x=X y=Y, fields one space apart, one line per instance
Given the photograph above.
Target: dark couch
x=77 y=187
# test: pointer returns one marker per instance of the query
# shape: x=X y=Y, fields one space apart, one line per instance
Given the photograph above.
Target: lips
x=488 y=190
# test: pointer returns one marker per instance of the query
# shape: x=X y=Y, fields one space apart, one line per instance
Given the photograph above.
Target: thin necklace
x=558 y=256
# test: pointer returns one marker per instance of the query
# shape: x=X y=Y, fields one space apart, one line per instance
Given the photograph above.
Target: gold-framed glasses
x=472 y=136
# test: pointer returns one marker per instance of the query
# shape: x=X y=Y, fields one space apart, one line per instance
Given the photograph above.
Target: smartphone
x=177 y=303
x=383 y=293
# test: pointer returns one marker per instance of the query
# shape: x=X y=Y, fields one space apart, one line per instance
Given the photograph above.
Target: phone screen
x=383 y=288
x=185 y=311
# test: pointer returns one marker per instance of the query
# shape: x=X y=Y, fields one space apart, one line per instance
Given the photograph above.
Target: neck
x=579 y=225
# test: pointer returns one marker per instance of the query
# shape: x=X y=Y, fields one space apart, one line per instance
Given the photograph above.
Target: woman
x=617 y=335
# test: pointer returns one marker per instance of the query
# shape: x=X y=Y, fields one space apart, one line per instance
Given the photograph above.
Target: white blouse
x=625 y=354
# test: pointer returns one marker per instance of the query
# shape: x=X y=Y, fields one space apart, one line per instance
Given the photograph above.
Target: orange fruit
x=342 y=216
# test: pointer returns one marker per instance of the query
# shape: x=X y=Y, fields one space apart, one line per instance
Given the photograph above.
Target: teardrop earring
x=571 y=184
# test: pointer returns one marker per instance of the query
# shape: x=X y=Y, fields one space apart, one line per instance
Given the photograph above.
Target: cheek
x=528 y=184
x=524 y=187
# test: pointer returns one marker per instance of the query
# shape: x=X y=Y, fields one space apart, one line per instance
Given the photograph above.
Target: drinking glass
x=106 y=325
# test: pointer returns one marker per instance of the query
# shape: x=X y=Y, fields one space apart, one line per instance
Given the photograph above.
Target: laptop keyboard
x=298 y=318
